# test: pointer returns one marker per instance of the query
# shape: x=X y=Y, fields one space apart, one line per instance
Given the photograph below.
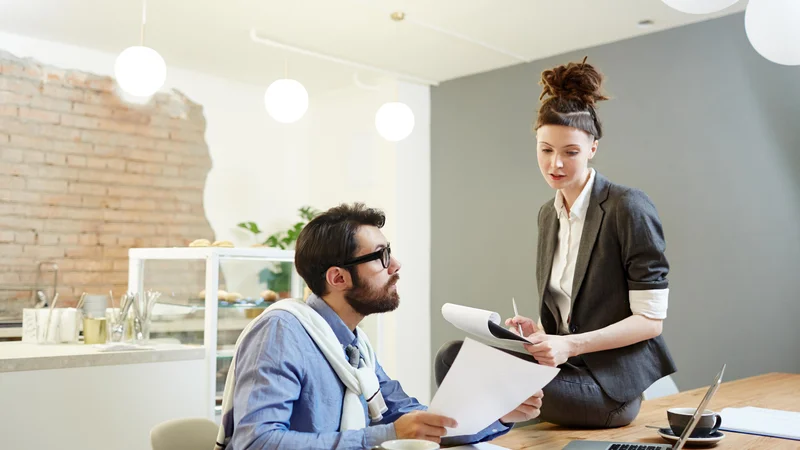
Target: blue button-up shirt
x=286 y=394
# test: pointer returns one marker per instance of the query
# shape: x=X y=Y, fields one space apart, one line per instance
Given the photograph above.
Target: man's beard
x=367 y=300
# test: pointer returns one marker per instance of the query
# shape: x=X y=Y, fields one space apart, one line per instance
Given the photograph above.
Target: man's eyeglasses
x=383 y=254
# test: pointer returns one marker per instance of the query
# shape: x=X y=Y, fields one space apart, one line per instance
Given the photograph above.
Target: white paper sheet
x=476 y=322
x=767 y=422
x=484 y=384
x=479 y=446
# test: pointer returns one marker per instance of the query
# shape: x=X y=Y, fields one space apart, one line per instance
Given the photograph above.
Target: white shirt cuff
x=650 y=303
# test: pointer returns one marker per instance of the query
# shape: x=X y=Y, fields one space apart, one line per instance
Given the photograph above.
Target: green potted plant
x=278 y=277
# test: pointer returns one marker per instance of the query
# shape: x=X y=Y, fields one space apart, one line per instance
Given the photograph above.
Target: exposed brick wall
x=85 y=176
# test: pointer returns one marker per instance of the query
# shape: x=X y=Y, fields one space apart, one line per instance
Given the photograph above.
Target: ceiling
x=439 y=39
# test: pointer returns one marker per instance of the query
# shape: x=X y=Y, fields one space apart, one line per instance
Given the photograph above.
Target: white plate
x=667 y=434
x=171 y=311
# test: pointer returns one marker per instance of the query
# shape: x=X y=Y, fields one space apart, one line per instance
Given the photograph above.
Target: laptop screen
x=699 y=412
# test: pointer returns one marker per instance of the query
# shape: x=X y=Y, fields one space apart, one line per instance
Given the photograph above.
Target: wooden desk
x=774 y=390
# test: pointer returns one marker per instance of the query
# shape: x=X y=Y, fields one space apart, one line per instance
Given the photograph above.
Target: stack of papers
x=484 y=325
x=480 y=446
x=765 y=422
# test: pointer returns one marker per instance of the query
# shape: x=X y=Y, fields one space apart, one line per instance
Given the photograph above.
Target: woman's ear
x=593 y=150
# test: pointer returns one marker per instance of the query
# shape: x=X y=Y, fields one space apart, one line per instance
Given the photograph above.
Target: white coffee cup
x=409 y=444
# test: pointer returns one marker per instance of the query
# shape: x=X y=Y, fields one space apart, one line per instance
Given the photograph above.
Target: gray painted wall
x=699 y=121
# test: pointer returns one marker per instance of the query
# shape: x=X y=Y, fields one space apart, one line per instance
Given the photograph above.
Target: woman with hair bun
x=601 y=270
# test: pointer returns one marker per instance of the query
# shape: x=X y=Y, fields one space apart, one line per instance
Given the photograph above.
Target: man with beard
x=305 y=377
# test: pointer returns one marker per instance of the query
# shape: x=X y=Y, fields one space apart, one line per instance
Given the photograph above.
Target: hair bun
x=578 y=81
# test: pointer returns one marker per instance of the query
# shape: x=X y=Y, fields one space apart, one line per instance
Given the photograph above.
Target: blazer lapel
x=549 y=233
x=591 y=228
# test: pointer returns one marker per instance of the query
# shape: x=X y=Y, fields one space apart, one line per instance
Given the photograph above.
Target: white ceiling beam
x=399 y=75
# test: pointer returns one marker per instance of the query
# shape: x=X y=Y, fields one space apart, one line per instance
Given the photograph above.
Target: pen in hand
x=516 y=313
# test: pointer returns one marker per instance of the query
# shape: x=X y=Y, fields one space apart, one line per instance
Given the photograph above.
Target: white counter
x=158 y=326
x=77 y=397
x=19 y=356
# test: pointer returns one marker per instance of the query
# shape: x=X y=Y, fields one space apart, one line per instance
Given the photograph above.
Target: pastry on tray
x=200 y=243
x=232 y=297
x=221 y=295
x=269 y=295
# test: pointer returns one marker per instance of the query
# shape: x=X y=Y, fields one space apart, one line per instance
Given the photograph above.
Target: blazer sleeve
x=642 y=244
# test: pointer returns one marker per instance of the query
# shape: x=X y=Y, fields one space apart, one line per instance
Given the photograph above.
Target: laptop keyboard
x=634 y=447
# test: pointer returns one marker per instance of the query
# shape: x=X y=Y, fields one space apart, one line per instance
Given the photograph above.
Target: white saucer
x=667 y=434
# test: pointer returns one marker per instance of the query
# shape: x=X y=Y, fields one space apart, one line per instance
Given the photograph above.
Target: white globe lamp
x=773 y=28
x=140 y=71
x=286 y=100
x=394 y=121
x=699 y=6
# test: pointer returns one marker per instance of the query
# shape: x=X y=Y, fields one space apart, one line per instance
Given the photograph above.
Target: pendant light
x=286 y=99
x=140 y=71
x=395 y=120
x=773 y=29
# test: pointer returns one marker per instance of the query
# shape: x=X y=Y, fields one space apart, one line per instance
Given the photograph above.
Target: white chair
x=661 y=388
x=184 y=434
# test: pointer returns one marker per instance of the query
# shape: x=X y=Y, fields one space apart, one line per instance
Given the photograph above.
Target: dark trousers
x=572 y=399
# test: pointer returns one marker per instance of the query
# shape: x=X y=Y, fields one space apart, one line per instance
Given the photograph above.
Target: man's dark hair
x=330 y=240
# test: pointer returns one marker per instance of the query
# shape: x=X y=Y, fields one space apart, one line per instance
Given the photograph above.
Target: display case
x=206 y=319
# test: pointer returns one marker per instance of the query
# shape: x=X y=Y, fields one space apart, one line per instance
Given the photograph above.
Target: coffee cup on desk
x=409 y=444
x=707 y=425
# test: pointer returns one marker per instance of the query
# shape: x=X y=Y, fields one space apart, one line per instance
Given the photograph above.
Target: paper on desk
x=480 y=446
x=484 y=325
x=484 y=384
x=767 y=422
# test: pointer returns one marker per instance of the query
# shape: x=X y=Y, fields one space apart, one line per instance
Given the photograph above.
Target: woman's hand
x=529 y=327
x=529 y=409
x=549 y=349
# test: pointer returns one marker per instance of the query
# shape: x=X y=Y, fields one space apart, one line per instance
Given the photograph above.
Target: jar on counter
x=95 y=325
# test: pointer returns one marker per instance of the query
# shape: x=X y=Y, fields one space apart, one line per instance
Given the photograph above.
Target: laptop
x=601 y=445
